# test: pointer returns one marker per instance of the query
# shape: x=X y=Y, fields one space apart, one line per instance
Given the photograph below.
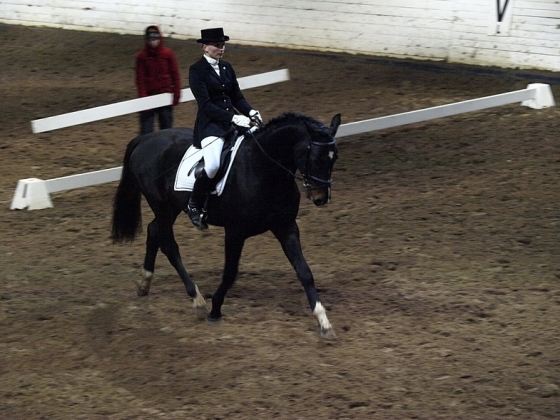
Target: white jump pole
x=535 y=96
x=34 y=193
x=140 y=104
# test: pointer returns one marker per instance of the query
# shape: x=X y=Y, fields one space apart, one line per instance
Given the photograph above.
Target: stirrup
x=197 y=216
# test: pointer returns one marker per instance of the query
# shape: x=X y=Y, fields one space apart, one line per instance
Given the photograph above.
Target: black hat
x=212 y=35
x=152 y=33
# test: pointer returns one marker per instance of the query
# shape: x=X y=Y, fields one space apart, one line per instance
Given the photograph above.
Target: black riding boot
x=195 y=208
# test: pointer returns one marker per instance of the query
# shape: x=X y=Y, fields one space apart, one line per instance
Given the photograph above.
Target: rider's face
x=214 y=50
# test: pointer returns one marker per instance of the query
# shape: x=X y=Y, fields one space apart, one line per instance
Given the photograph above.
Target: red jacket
x=157 y=71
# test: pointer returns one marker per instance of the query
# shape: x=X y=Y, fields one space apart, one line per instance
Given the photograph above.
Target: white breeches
x=211 y=151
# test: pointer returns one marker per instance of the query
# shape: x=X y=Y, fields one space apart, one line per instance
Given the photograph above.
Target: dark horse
x=260 y=195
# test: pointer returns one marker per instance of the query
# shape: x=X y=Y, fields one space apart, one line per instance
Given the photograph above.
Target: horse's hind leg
x=152 y=246
x=170 y=248
x=160 y=235
x=288 y=236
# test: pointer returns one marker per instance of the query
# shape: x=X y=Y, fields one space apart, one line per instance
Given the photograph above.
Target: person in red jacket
x=157 y=72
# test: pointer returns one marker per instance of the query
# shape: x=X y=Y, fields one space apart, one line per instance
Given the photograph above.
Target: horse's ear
x=335 y=123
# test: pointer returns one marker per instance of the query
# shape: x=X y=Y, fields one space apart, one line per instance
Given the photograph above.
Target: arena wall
x=504 y=33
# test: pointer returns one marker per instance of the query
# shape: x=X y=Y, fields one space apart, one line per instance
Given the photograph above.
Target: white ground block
x=543 y=96
x=31 y=193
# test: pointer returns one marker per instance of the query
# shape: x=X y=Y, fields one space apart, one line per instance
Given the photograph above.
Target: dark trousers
x=165 y=118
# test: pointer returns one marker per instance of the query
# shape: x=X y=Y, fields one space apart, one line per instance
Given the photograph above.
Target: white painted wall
x=463 y=31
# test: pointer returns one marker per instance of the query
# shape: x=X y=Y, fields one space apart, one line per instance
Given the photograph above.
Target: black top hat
x=212 y=35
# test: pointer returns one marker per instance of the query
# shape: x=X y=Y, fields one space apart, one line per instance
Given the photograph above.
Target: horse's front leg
x=162 y=235
x=233 y=248
x=288 y=236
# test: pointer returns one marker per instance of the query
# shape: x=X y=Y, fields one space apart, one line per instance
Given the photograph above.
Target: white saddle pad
x=184 y=179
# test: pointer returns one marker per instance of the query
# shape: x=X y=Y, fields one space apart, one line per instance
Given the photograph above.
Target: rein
x=292 y=174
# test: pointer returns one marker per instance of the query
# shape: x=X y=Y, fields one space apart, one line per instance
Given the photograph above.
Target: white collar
x=211 y=61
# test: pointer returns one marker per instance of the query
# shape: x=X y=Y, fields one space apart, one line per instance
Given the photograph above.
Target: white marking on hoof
x=199 y=305
x=326 y=334
x=325 y=329
x=143 y=287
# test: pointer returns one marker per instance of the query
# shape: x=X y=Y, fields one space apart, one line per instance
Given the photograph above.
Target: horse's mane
x=291 y=116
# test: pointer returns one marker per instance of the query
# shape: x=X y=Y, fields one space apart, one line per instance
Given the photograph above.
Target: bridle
x=305 y=178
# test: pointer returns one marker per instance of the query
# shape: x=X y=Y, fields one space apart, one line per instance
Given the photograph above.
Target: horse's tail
x=127 y=214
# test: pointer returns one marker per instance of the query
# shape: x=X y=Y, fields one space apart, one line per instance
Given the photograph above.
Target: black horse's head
x=316 y=164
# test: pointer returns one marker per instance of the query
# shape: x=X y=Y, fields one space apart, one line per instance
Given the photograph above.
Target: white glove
x=255 y=115
x=241 y=121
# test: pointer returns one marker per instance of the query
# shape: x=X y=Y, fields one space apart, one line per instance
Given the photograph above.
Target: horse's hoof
x=141 y=292
x=201 y=312
x=214 y=321
x=326 y=333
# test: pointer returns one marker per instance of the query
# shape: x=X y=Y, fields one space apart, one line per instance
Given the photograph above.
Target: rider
x=214 y=85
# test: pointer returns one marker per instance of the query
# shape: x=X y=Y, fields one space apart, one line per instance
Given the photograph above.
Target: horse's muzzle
x=319 y=196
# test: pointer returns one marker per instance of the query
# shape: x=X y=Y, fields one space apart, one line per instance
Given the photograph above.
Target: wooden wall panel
x=464 y=31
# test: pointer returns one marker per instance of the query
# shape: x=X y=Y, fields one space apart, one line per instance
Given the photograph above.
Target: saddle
x=192 y=164
x=225 y=158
